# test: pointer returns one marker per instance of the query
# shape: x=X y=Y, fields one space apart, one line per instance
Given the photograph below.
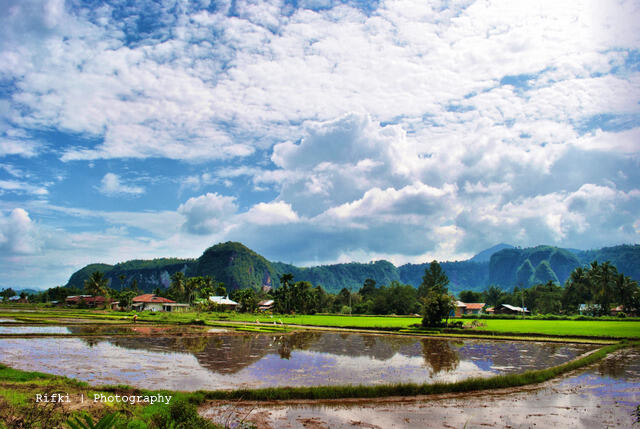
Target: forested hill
x=626 y=258
x=238 y=267
x=335 y=277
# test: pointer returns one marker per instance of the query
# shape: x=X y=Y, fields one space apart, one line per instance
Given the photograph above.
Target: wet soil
x=602 y=395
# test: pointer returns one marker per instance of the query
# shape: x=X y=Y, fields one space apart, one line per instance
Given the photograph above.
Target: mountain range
x=237 y=266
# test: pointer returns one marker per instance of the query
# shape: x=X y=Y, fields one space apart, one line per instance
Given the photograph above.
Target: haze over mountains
x=239 y=267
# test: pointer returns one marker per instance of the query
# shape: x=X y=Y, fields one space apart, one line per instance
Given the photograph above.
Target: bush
x=181 y=414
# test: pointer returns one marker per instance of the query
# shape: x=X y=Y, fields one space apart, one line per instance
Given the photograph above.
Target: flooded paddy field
x=222 y=360
x=30 y=329
x=602 y=395
x=16 y=329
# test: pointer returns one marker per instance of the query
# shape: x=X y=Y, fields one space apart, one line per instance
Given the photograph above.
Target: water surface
x=34 y=330
x=603 y=395
x=231 y=361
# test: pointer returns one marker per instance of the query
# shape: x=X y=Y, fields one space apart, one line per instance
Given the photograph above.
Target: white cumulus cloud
x=111 y=185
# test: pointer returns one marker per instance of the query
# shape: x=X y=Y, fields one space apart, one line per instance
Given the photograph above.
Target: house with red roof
x=87 y=300
x=151 y=302
x=468 y=308
x=474 y=307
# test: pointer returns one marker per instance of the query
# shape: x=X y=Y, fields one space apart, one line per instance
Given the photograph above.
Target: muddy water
x=603 y=395
x=226 y=361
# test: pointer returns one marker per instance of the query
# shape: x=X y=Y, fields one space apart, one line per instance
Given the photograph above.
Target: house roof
x=221 y=300
x=265 y=303
x=514 y=308
x=78 y=297
x=86 y=298
x=151 y=298
x=460 y=304
x=475 y=305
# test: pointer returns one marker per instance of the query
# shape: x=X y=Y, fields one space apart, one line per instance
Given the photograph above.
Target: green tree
x=626 y=291
x=126 y=298
x=7 y=293
x=437 y=303
x=247 y=299
x=282 y=295
x=207 y=288
x=577 y=290
x=603 y=282
x=321 y=300
x=368 y=289
x=177 y=288
x=192 y=286
x=96 y=284
x=494 y=296
x=220 y=289
x=434 y=279
x=302 y=297
x=470 y=296
x=548 y=298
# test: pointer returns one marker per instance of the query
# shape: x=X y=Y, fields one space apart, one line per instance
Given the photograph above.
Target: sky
x=313 y=131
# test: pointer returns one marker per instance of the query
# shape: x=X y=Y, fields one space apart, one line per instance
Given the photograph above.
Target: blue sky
x=313 y=131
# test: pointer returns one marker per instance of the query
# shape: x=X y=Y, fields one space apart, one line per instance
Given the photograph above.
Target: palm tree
x=284 y=292
x=603 y=282
x=625 y=289
x=96 y=284
x=578 y=290
x=177 y=287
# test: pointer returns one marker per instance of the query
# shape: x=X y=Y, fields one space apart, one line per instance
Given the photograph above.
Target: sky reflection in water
x=229 y=361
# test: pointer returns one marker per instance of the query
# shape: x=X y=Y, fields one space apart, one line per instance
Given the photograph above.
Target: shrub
x=181 y=414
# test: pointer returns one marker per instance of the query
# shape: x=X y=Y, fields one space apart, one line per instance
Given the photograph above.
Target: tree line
x=598 y=286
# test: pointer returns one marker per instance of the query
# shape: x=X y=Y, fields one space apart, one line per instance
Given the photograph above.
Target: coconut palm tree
x=97 y=284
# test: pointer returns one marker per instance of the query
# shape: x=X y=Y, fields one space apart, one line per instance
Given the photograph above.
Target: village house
x=468 y=308
x=224 y=302
x=151 y=302
x=265 y=305
x=88 y=300
x=510 y=309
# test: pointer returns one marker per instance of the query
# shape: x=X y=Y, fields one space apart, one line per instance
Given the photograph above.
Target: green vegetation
x=626 y=258
x=96 y=284
x=569 y=328
x=342 y=276
x=18 y=390
x=593 y=327
x=235 y=265
x=462 y=274
x=107 y=422
x=239 y=267
x=526 y=267
x=437 y=303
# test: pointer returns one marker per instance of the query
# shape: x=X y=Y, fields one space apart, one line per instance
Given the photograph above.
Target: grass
x=10 y=374
x=609 y=329
x=575 y=328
